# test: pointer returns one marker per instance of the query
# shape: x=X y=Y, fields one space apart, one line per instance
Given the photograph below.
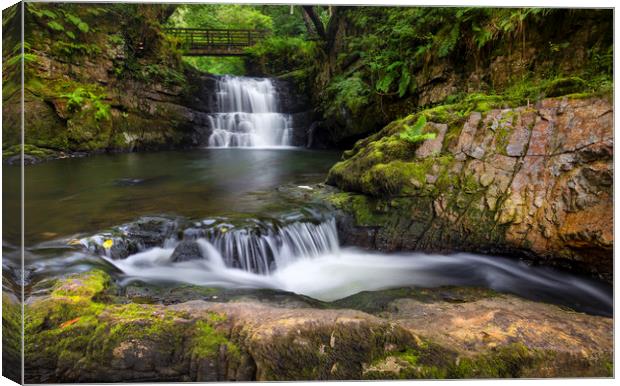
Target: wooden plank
x=216 y=42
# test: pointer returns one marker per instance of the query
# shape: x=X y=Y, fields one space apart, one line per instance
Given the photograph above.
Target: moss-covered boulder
x=486 y=176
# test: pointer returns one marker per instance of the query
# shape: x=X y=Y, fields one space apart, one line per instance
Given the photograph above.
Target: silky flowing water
x=248 y=115
x=249 y=235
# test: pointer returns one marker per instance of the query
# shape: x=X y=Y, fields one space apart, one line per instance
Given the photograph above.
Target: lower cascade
x=305 y=257
x=247 y=115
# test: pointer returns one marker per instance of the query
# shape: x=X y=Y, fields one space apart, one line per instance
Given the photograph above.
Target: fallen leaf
x=69 y=322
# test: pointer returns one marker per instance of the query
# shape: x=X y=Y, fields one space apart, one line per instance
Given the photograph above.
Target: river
x=247 y=234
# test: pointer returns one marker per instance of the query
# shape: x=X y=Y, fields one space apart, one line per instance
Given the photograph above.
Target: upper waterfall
x=247 y=115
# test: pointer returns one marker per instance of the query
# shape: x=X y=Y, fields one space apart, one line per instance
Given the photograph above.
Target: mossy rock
x=564 y=86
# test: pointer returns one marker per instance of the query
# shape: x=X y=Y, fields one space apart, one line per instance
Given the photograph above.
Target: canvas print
x=247 y=192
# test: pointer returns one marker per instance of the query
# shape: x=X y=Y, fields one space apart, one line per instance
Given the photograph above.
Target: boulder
x=186 y=251
x=531 y=182
x=80 y=333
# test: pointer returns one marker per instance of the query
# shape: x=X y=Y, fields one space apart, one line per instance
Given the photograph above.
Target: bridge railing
x=199 y=39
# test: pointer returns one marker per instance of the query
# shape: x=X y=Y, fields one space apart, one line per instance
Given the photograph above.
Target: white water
x=312 y=264
x=247 y=115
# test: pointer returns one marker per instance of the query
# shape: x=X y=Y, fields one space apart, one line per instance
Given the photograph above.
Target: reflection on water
x=85 y=195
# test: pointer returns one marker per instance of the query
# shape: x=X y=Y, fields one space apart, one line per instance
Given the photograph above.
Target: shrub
x=279 y=54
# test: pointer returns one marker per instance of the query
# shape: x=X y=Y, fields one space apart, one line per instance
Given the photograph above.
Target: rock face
x=110 y=88
x=533 y=181
x=81 y=332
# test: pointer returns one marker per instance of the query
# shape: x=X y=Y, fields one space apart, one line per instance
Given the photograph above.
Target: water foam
x=314 y=265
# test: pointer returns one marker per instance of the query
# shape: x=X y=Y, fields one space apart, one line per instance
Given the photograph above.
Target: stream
x=222 y=201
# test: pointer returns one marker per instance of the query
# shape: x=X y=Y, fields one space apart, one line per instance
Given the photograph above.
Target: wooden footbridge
x=215 y=42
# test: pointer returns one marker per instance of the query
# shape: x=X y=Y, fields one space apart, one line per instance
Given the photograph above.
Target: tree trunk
x=316 y=21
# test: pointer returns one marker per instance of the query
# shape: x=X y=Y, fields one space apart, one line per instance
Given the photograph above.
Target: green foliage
x=349 y=92
x=219 y=16
x=161 y=72
x=284 y=23
x=277 y=54
x=413 y=134
x=285 y=51
x=223 y=16
x=396 y=43
x=63 y=18
x=231 y=65
x=76 y=21
x=55 y=26
x=74 y=50
x=17 y=56
x=79 y=98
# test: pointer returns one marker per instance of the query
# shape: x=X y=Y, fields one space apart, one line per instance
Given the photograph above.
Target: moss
x=207 y=339
x=395 y=177
x=82 y=286
x=339 y=200
x=363 y=212
x=361 y=207
x=563 y=86
x=76 y=323
x=503 y=362
x=609 y=367
x=29 y=149
x=427 y=360
x=421 y=359
x=11 y=336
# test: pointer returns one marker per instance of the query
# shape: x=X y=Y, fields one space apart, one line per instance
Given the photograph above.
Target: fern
x=383 y=85
x=413 y=134
x=55 y=26
x=403 y=85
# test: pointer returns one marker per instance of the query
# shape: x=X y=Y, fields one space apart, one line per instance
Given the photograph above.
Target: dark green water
x=70 y=196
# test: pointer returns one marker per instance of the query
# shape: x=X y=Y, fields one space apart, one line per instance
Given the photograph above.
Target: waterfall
x=304 y=257
x=262 y=251
x=255 y=246
x=247 y=115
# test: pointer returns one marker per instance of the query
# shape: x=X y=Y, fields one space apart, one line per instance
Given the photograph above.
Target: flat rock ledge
x=83 y=331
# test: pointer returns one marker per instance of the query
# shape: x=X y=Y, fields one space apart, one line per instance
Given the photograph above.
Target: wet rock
x=186 y=251
x=400 y=333
x=149 y=232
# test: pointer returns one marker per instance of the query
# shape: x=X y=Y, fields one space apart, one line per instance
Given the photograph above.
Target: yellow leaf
x=108 y=244
x=224 y=230
x=70 y=322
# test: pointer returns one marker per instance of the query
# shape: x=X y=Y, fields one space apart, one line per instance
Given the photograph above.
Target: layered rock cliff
x=533 y=181
x=108 y=79
x=99 y=79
